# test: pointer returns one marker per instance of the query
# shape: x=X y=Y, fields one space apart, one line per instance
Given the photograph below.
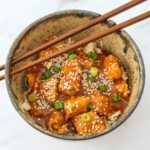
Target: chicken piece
x=48 y=89
x=31 y=77
x=40 y=108
x=55 y=121
x=70 y=84
x=75 y=106
x=101 y=104
x=88 y=123
x=88 y=63
x=85 y=61
x=71 y=66
x=50 y=49
x=112 y=68
x=121 y=88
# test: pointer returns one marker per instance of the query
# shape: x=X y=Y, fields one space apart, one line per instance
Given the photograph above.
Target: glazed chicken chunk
x=51 y=49
x=48 y=89
x=112 y=68
x=121 y=88
x=56 y=121
x=101 y=104
x=31 y=80
x=70 y=84
x=40 y=108
x=85 y=61
x=75 y=106
x=73 y=66
x=88 y=123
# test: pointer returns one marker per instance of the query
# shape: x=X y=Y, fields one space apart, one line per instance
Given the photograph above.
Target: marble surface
x=16 y=134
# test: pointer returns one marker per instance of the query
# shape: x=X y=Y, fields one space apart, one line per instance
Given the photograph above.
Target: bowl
x=119 y=43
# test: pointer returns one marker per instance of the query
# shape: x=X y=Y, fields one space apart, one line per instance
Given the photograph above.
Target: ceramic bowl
x=118 y=43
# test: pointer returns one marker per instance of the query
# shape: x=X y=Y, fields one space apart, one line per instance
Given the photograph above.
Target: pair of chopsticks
x=81 y=42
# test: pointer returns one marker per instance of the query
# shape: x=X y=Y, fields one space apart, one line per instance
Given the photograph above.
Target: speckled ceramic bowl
x=119 y=43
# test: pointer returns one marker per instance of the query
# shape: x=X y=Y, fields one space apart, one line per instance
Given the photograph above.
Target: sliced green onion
x=56 y=69
x=85 y=117
x=71 y=90
x=46 y=75
x=90 y=107
x=72 y=56
x=102 y=88
x=92 y=55
x=72 y=52
x=116 y=99
x=91 y=78
x=26 y=106
x=94 y=71
x=58 y=105
x=32 y=97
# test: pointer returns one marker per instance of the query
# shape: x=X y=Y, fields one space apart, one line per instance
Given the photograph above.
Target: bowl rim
x=63 y=13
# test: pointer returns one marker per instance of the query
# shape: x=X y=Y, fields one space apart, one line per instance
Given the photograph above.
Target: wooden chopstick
x=84 y=41
x=2 y=77
x=77 y=30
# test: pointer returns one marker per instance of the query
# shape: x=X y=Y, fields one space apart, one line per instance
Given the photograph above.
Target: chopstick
x=77 y=30
x=84 y=41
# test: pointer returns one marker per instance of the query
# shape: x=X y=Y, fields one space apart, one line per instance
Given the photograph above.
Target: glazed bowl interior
x=118 y=43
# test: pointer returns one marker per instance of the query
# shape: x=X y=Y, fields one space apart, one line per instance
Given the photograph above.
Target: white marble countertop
x=16 y=134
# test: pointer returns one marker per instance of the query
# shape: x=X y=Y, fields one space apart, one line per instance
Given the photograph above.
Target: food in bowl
x=80 y=92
